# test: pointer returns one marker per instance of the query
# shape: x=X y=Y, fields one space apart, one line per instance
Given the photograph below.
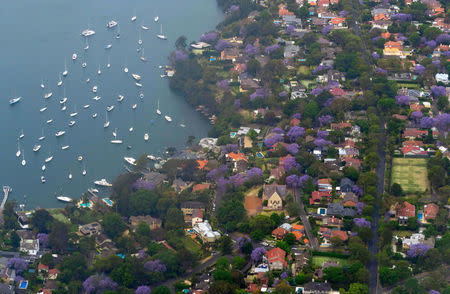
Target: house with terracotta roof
x=341 y=126
x=430 y=211
x=338 y=22
x=297 y=235
x=317 y=197
x=413 y=151
x=282 y=10
x=350 y=199
x=382 y=16
x=339 y=234
x=238 y=159
x=279 y=233
x=405 y=211
x=201 y=187
x=53 y=273
x=323 y=3
x=201 y=164
x=414 y=133
x=352 y=162
x=294 y=122
x=277 y=173
x=332 y=221
x=298 y=227
x=276 y=259
x=325 y=184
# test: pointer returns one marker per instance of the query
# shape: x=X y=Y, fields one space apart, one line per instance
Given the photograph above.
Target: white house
x=442 y=77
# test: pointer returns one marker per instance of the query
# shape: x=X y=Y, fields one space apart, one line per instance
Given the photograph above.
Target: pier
x=6 y=190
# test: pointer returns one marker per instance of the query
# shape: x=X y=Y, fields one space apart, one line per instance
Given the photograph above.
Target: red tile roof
x=279 y=233
x=316 y=196
x=237 y=156
x=202 y=163
x=340 y=234
x=276 y=254
x=201 y=187
x=430 y=211
x=406 y=210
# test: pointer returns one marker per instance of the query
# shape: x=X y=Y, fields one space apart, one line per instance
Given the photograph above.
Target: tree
x=239 y=262
x=161 y=290
x=59 y=236
x=356 y=288
x=141 y=163
x=113 y=224
x=226 y=244
x=253 y=66
x=396 y=189
x=335 y=275
x=41 y=220
x=283 y=288
x=174 y=219
x=180 y=43
x=290 y=239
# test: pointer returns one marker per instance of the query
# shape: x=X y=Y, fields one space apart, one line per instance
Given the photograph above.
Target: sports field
x=411 y=174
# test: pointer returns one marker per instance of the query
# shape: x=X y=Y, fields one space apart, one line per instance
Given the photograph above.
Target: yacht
x=120 y=98
x=109 y=108
x=108 y=46
x=96 y=98
x=49 y=121
x=65 y=147
x=87 y=33
x=106 y=124
x=139 y=85
x=14 y=100
x=43 y=109
x=48 y=159
x=103 y=182
x=161 y=35
x=141 y=95
x=84 y=64
x=60 y=133
x=43 y=167
x=18 y=149
x=21 y=135
x=144 y=27
x=65 y=72
x=63 y=100
x=64 y=107
x=115 y=141
x=48 y=95
x=157 y=109
x=133 y=18
x=156 y=18
x=36 y=148
x=64 y=198
x=43 y=179
x=84 y=172
x=111 y=24
x=136 y=77
x=75 y=113
x=74 y=56
x=130 y=160
x=99 y=71
x=131 y=129
x=151 y=157
x=42 y=137
x=60 y=81
x=134 y=106
x=86 y=106
x=146 y=136
x=72 y=123
x=94 y=115
x=168 y=118
x=94 y=89
x=24 y=162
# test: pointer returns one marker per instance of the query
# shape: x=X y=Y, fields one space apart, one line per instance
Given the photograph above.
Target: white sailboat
x=43 y=167
x=84 y=64
x=106 y=124
x=43 y=109
x=136 y=77
x=72 y=123
x=65 y=72
x=96 y=98
x=84 y=172
x=138 y=85
x=65 y=147
x=64 y=99
x=140 y=39
x=131 y=129
x=74 y=56
x=156 y=18
x=144 y=27
x=64 y=107
x=141 y=95
x=49 y=158
x=109 y=108
x=168 y=118
x=143 y=58
x=36 y=148
x=99 y=71
x=42 y=137
x=94 y=89
x=86 y=106
x=48 y=95
x=70 y=175
x=24 y=162
x=87 y=45
x=21 y=135
x=133 y=18
x=75 y=113
x=161 y=35
x=42 y=84
x=116 y=141
x=134 y=106
x=18 y=149
x=60 y=81
x=157 y=109
x=49 y=121
x=108 y=65
x=43 y=180
x=120 y=98
x=146 y=136
x=94 y=115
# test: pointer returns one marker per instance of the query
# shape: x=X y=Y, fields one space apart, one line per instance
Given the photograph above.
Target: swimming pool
x=23 y=285
x=420 y=216
x=85 y=205
x=107 y=201
x=259 y=155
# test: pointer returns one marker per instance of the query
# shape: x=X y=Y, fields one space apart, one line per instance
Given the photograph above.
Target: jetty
x=6 y=191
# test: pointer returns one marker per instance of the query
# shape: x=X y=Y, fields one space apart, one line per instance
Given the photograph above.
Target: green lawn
x=192 y=246
x=56 y=213
x=410 y=173
x=318 y=260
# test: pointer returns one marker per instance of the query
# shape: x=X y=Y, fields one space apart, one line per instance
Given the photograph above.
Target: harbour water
x=37 y=38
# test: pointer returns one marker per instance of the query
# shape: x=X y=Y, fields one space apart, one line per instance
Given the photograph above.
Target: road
x=304 y=217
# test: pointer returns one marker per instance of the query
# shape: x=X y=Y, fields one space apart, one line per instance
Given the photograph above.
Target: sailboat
x=49 y=158
x=21 y=135
x=131 y=129
x=65 y=72
x=87 y=45
x=99 y=71
x=168 y=118
x=133 y=18
x=141 y=95
x=144 y=27
x=18 y=148
x=134 y=106
x=60 y=81
x=140 y=39
x=156 y=18
x=75 y=113
x=64 y=99
x=84 y=172
x=143 y=58
x=94 y=89
x=74 y=56
x=64 y=107
x=43 y=180
x=42 y=137
x=120 y=98
x=118 y=32
x=161 y=35
x=42 y=84
x=106 y=124
x=157 y=109
x=36 y=148
x=146 y=136
x=43 y=167
x=48 y=95
x=115 y=141
x=43 y=109
x=24 y=162
x=70 y=175
x=108 y=65
x=94 y=115
x=84 y=64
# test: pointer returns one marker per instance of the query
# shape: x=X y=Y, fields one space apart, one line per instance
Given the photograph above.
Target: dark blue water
x=37 y=37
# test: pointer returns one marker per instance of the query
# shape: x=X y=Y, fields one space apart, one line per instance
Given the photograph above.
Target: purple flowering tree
x=442 y=122
x=297 y=115
x=208 y=37
x=272 y=140
x=230 y=148
x=402 y=100
x=322 y=134
x=234 y=8
x=381 y=71
x=431 y=44
x=295 y=132
x=434 y=292
x=357 y=190
x=257 y=254
x=277 y=131
x=416 y=115
x=216 y=173
x=292 y=148
x=437 y=91
x=417 y=250
x=180 y=55
x=241 y=241
x=143 y=290
x=223 y=85
x=222 y=44
x=98 y=284
x=426 y=122
x=283 y=275
x=259 y=93
x=271 y=48
x=237 y=103
x=316 y=91
x=359 y=207
x=290 y=29
x=375 y=55
x=443 y=39
x=321 y=142
x=155 y=266
x=295 y=181
x=326 y=29
x=361 y=222
x=325 y=119
x=254 y=173
x=289 y=163
x=141 y=184
x=17 y=263
x=141 y=254
x=282 y=94
x=43 y=239
x=251 y=50
x=401 y=17
x=237 y=180
x=419 y=69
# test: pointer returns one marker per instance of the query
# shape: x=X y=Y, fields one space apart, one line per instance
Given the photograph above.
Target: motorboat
x=94 y=115
x=103 y=183
x=80 y=158
x=36 y=148
x=60 y=133
x=93 y=190
x=88 y=80
x=108 y=46
x=151 y=157
x=43 y=167
x=145 y=28
x=74 y=56
x=157 y=109
x=64 y=198
x=139 y=85
x=86 y=106
x=63 y=100
x=84 y=172
x=146 y=136
x=131 y=129
x=96 y=98
x=42 y=137
x=87 y=33
x=129 y=147
x=64 y=107
x=99 y=71
x=120 y=98
x=143 y=58
x=65 y=147
x=72 y=123
x=59 y=81
x=106 y=124
x=182 y=125
x=65 y=72
x=75 y=113
x=130 y=160
x=23 y=162
x=156 y=18
x=48 y=159
x=49 y=121
x=134 y=106
x=136 y=77
x=109 y=108
x=94 y=89
x=161 y=35
x=133 y=18
x=111 y=24
x=14 y=100
x=48 y=95
x=141 y=95
x=43 y=179
x=43 y=109
x=42 y=84
x=168 y=118
x=116 y=141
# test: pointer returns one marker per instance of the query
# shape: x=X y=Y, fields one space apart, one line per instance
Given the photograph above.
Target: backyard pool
x=23 y=285
x=107 y=201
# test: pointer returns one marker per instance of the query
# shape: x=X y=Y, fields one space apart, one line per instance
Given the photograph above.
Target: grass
x=56 y=213
x=193 y=246
x=318 y=260
x=411 y=174
x=408 y=85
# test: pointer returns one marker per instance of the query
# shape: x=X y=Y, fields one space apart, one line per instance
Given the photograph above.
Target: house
x=189 y=206
x=441 y=78
x=350 y=199
x=325 y=184
x=179 y=185
x=346 y=185
x=155 y=178
x=430 y=211
x=405 y=211
x=276 y=259
x=282 y=10
x=352 y=162
x=414 y=151
x=338 y=21
x=205 y=232
x=318 y=196
x=338 y=209
x=238 y=159
x=414 y=133
x=339 y=234
x=332 y=221
x=277 y=173
x=274 y=195
x=105 y=245
x=53 y=273
x=301 y=259
x=229 y=54
x=193 y=212
x=153 y=223
x=291 y=50
x=317 y=288
x=28 y=243
x=201 y=187
x=90 y=229
x=279 y=233
x=42 y=268
x=24 y=219
x=253 y=205
x=340 y=126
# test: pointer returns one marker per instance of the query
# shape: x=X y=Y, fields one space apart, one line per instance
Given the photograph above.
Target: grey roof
x=155 y=178
x=346 y=182
x=193 y=204
x=6 y=289
x=269 y=190
x=317 y=286
x=338 y=209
